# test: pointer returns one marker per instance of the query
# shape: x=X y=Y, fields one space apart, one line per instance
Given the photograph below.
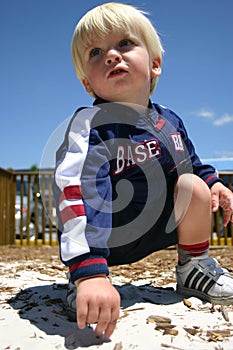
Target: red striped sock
x=186 y=252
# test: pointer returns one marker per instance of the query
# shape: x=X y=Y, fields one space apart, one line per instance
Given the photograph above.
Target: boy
x=128 y=181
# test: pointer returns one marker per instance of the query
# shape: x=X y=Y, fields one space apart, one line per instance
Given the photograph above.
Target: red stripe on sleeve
x=71 y=192
x=210 y=178
x=72 y=212
x=84 y=263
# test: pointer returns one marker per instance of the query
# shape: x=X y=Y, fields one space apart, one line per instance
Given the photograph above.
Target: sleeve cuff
x=94 y=265
x=211 y=180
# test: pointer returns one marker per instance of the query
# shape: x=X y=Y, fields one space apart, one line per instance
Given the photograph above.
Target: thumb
x=215 y=202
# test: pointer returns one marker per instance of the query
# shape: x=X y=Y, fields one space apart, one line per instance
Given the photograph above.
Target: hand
x=97 y=302
x=223 y=197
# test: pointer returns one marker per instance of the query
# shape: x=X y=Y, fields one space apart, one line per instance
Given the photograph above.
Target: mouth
x=117 y=72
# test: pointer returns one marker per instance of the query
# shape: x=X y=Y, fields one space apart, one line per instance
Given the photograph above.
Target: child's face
x=119 y=68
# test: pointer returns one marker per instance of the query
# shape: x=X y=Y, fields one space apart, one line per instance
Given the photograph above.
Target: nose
x=112 y=57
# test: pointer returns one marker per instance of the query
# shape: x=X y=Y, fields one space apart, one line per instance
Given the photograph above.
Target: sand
x=153 y=315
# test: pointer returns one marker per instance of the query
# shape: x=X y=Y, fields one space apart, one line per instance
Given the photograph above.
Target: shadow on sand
x=45 y=307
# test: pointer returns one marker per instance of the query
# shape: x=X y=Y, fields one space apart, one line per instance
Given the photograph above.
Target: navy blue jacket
x=115 y=164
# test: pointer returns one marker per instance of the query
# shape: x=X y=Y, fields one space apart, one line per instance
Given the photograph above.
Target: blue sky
x=39 y=89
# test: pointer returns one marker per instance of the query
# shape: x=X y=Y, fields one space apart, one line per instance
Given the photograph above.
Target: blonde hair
x=113 y=17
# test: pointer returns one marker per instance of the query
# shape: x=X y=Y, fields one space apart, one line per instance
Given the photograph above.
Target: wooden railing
x=7 y=207
x=35 y=221
x=28 y=217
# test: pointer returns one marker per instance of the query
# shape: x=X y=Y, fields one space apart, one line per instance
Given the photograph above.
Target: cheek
x=92 y=77
x=144 y=69
x=143 y=64
x=96 y=85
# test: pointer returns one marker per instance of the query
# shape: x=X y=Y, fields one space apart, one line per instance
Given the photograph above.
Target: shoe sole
x=188 y=292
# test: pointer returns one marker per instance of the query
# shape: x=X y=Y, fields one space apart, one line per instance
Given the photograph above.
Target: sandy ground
x=153 y=316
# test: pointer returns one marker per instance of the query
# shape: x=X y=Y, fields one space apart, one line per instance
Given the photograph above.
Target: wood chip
x=192 y=331
x=169 y=346
x=118 y=346
x=54 y=301
x=219 y=332
x=136 y=309
x=164 y=326
x=158 y=319
x=126 y=312
x=224 y=313
x=171 y=332
x=187 y=303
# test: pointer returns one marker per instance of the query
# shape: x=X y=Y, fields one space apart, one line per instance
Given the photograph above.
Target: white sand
x=35 y=318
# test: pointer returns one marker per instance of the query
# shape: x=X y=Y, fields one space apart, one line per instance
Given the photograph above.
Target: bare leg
x=197 y=274
x=192 y=209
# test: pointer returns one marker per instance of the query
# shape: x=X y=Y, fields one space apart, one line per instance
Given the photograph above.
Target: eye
x=95 y=52
x=125 y=42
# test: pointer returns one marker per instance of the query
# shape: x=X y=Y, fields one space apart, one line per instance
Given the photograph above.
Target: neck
x=135 y=105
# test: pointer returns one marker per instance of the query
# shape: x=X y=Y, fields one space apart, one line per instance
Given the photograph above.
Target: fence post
x=7 y=207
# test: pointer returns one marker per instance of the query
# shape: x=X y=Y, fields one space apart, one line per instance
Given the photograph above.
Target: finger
x=82 y=312
x=227 y=204
x=93 y=314
x=215 y=202
x=227 y=217
x=110 y=329
x=112 y=324
x=103 y=320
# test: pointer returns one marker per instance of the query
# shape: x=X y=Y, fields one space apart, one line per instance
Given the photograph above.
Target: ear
x=87 y=85
x=156 y=67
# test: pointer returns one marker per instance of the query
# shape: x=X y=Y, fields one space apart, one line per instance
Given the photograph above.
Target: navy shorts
x=156 y=238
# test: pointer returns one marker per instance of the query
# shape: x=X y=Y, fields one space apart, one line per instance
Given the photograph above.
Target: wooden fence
x=27 y=209
x=7 y=205
x=28 y=216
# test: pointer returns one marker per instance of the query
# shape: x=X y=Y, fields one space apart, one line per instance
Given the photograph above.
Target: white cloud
x=205 y=113
x=224 y=119
x=224 y=154
x=210 y=114
x=221 y=159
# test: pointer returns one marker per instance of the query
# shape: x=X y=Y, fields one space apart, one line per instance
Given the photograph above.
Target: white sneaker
x=202 y=278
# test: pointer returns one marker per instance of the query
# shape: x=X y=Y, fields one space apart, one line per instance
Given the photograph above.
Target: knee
x=194 y=189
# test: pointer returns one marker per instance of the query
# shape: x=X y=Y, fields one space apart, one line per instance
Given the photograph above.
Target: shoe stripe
x=190 y=276
x=196 y=280
x=203 y=282
x=209 y=285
